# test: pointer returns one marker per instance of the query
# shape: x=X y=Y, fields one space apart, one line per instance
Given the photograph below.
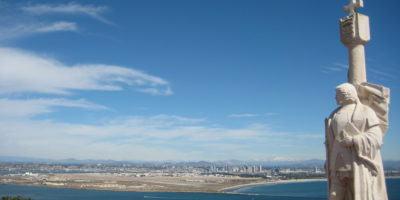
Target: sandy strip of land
x=236 y=187
x=131 y=182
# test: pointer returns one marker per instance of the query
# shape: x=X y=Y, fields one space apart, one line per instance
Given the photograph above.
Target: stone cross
x=354 y=31
x=353 y=6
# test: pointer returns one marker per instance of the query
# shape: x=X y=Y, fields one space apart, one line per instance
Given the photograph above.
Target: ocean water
x=311 y=190
x=287 y=191
x=315 y=190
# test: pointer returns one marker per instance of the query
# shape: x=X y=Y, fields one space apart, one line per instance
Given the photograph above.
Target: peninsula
x=133 y=181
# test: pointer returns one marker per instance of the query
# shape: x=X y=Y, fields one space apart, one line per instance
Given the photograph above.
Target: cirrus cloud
x=59 y=26
x=248 y=115
x=17 y=108
x=71 y=8
x=24 y=30
x=22 y=71
x=159 y=137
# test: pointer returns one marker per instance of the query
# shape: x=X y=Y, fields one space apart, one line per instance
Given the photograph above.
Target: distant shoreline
x=177 y=187
x=230 y=190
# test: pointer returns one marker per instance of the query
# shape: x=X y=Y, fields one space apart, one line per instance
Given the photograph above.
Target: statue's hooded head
x=346 y=93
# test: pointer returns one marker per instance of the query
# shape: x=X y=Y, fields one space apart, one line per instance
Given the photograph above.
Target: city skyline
x=181 y=80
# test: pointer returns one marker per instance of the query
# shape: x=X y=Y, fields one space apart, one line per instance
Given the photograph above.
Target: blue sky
x=182 y=80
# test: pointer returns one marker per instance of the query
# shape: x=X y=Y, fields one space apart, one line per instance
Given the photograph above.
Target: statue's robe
x=362 y=162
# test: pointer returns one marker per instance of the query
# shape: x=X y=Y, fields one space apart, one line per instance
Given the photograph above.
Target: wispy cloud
x=173 y=119
x=59 y=26
x=26 y=21
x=158 y=137
x=284 y=158
x=248 y=115
x=94 y=12
x=155 y=91
x=382 y=74
x=337 y=67
x=16 y=108
x=373 y=72
x=24 y=30
x=23 y=71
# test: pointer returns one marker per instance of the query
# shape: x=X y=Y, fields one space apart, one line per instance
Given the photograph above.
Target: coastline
x=129 y=182
x=230 y=190
x=173 y=185
x=226 y=190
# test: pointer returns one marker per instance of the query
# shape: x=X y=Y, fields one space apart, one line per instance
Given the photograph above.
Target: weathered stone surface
x=355 y=130
x=354 y=34
x=354 y=138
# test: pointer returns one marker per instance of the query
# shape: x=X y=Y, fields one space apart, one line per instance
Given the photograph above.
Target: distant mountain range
x=389 y=164
x=61 y=161
x=168 y=162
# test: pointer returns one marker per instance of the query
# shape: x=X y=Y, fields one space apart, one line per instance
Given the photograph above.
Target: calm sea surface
x=286 y=191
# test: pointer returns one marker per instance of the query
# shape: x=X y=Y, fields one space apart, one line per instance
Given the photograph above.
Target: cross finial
x=353 y=6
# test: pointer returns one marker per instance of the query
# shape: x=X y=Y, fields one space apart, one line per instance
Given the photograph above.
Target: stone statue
x=353 y=141
x=355 y=130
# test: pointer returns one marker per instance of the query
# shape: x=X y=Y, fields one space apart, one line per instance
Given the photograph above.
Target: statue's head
x=346 y=93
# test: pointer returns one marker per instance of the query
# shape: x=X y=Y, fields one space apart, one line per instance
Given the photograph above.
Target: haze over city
x=181 y=80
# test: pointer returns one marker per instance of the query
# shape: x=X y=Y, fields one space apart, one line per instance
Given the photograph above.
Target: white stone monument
x=355 y=130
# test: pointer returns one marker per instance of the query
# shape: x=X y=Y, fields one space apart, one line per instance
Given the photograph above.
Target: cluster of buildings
x=172 y=169
x=244 y=169
x=162 y=169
